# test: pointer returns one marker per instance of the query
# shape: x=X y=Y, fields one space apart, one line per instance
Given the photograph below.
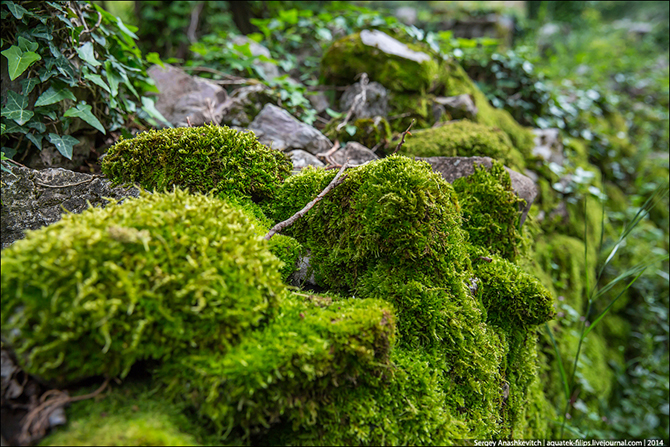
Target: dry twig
x=291 y=220
x=402 y=141
x=36 y=422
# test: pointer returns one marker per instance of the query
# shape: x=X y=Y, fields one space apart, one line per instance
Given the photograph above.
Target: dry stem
x=291 y=220
x=403 y=137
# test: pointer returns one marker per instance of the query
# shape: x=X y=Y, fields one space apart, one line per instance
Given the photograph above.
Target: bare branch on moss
x=291 y=220
x=36 y=422
x=188 y=121
x=402 y=141
x=359 y=100
x=72 y=184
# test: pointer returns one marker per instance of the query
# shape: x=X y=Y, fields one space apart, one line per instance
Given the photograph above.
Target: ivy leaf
x=97 y=80
x=63 y=65
x=154 y=58
x=54 y=95
x=36 y=139
x=64 y=144
x=123 y=28
x=15 y=109
x=27 y=85
x=112 y=78
x=149 y=107
x=38 y=126
x=351 y=129
x=83 y=111
x=27 y=45
x=42 y=32
x=18 y=61
x=16 y=10
x=46 y=73
x=86 y=53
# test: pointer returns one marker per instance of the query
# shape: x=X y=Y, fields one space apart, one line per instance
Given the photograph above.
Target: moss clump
x=491 y=210
x=349 y=56
x=456 y=82
x=146 y=279
x=464 y=139
x=288 y=250
x=285 y=372
x=202 y=159
x=370 y=132
x=132 y=414
x=408 y=106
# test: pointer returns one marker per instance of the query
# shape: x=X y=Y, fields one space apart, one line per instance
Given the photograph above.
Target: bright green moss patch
x=146 y=279
x=349 y=56
x=286 y=371
x=464 y=139
x=132 y=414
x=408 y=106
x=490 y=210
x=202 y=159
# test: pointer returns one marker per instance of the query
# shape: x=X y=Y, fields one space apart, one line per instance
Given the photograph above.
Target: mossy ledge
x=203 y=159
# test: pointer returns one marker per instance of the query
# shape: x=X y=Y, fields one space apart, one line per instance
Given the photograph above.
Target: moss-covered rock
x=146 y=279
x=202 y=159
x=370 y=132
x=408 y=106
x=287 y=371
x=464 y=139
x=349 y=56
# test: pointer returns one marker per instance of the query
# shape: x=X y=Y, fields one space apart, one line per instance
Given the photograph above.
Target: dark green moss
x=370 y=132
x=491 y=210
x=202 y=159
x=146 y=279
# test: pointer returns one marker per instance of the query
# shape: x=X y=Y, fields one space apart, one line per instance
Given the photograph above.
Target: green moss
x=286 y=371
x=133 y=414
x=411 y=106
x=146 y=279
x=491 y=210
x=348 y=57
x=456 y=82
x=288 y=250
x=202 y=159
x=370 y=132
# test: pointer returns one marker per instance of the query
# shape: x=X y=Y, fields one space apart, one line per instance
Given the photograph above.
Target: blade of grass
x=630 y=272
x=564 y=377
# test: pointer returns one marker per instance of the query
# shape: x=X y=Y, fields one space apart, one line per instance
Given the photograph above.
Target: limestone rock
x=276 y=128
x=389 y=45
x=459 y=107
x=243 y=104
x=182 y=96
x=376 y=100
x=356 y=153
x=32 y=199
x=548 y=145
x=453 y=168
x=302 y=159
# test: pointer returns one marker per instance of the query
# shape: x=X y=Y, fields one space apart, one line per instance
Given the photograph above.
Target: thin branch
x=67 y=186
x=291 y=220
x=195 y=18
x=403 y=137
x=325 y=88
x=326 y=155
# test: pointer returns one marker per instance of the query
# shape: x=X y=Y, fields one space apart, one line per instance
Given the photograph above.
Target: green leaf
x=53 y=95
x=64 y=144
x=123 y=28
x=36 y=139
x=18 y=61
x=351 y=129
x=46 y=73
x=112 y=78
x=27 y=85
x=86 y=54
x=16 y=10
x=63 y=65
x=149 y=107
x=27 y=45
x=154 y=58
x=97 y=80
x=15 y=109
x=83 y=111
x=38 y=126
x=332 y=113
x=42 y=32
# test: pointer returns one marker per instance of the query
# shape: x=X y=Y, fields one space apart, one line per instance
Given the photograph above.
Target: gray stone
x=276 y=128
x=302 y=159
x=319 y=101
x=459 y=107
x=182 y=96
x=376 y=100
x=32 y=199
x=548 y=145
x=269 y=69
x=299 y=278
x=389 y=45
x=243 y=104
x=453 y=168
x=356 y=153
x=406 y=14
